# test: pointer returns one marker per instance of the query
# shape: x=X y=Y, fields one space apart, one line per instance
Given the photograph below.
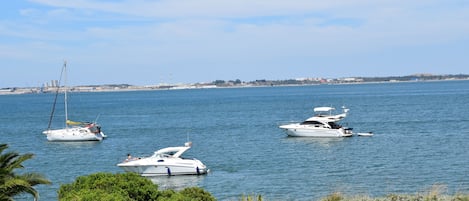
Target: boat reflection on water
x=177 y=183
x=324 y=142
x=74 y=144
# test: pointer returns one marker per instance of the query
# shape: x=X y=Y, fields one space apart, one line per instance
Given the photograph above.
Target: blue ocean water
x=421 y=138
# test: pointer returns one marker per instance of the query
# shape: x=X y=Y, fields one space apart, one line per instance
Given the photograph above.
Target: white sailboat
x=73 y=131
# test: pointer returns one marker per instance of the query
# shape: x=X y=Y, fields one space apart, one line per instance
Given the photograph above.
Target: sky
x=149 y=42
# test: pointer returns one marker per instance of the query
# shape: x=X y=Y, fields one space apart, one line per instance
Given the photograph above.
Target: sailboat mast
x=65 y=93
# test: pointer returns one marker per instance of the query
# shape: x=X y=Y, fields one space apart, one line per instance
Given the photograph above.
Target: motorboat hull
x=297 y=130
x=73 y=134
x=182 y=167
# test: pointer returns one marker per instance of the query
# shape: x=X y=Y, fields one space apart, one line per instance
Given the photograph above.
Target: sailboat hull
x=73 y=134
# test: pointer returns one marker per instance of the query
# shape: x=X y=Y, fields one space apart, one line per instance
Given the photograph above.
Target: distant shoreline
x=237 y=84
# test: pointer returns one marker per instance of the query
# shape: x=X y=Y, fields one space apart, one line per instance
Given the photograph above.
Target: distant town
x=52 y=86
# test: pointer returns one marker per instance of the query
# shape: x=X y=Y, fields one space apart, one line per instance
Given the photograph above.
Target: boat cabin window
x=311 y=123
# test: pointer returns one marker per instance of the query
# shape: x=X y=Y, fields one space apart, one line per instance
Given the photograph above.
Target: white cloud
x=209 y=34
x=383 y=21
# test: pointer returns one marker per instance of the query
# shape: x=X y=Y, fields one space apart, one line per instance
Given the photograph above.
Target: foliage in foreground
x=124 y=187
x=12 y=183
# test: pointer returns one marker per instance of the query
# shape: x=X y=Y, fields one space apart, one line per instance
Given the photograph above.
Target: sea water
x=421 y=138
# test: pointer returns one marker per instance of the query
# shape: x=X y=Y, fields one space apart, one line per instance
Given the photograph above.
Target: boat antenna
x=97 y=117
x=56 y=95
x=188 y=143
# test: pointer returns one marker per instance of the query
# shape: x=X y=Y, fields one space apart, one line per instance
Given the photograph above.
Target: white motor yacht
x=167 y=161
x=323 y=124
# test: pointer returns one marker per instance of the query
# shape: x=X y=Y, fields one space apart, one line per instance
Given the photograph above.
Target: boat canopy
x=323 y=109
x=69 y=122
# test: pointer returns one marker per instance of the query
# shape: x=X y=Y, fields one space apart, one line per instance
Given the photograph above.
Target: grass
x=435 y=193
x=251 y=198
x=395 y=197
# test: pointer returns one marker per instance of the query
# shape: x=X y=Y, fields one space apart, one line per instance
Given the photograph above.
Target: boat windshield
x=171 y=151
x=168 y=154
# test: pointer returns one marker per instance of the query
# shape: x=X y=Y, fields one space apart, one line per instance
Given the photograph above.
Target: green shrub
x=124 y=187
x=108 y=186
x=197 y=194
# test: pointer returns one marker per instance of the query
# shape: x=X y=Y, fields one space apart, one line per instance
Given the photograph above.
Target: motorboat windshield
x=175 y=152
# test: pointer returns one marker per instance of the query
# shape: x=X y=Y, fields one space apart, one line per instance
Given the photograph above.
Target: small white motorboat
x=323 y=124
x=367 y=134
x=167 y=161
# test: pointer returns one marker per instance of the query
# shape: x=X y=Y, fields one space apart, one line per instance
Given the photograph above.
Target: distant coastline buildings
x=52 y=83
x=51 y=86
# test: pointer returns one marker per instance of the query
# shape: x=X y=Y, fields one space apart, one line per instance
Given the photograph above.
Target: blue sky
x=146 y=42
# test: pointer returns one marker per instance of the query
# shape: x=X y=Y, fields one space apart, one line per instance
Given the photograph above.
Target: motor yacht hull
x=297 y=130
x=73 y=134
x=170 y=168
